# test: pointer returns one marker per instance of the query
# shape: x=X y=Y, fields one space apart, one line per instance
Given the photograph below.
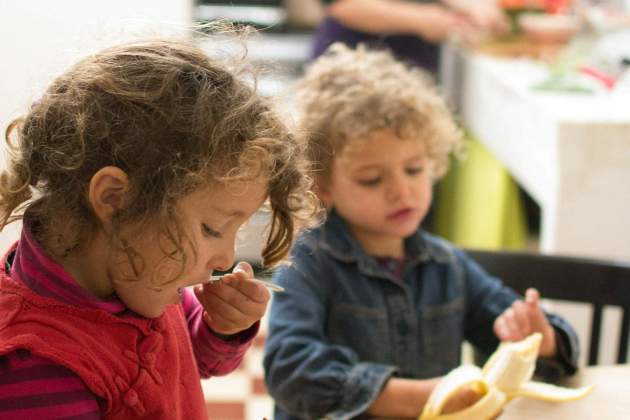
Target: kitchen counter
x=570 y=152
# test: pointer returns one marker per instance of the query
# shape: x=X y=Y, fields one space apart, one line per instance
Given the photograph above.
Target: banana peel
x=506 y=374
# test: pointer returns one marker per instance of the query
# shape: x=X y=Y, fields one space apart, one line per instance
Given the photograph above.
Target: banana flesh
x=506 y=374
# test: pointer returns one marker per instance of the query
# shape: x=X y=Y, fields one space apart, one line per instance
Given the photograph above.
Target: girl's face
x=382 y=188
x=211 y=218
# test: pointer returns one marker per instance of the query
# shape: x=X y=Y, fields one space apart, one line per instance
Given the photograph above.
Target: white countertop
x=570 y=151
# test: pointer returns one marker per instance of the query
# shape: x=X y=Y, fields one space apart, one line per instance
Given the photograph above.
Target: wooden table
x=610 y=399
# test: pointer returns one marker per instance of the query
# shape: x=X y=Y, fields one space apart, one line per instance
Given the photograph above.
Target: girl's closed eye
x=209 y=232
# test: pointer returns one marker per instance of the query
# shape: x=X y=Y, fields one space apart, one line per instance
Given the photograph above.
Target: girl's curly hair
x=173 y=119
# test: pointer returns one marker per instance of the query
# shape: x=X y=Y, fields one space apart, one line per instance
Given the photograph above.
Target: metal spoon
x=268 y=285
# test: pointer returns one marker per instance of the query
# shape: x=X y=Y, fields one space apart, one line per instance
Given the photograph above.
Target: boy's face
x=211 y=219
x=382 y=188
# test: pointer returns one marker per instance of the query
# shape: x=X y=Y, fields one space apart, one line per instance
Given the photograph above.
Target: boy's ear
x=320 y=188
x=108 y=192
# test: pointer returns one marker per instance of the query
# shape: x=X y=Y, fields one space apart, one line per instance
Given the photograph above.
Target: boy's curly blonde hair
x=348 y=94
x=169 y=116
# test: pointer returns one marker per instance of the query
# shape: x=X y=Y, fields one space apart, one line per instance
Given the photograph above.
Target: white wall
x=40 y=38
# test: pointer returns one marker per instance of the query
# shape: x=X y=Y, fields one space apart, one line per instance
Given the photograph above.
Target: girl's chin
x=156 y=314
x=156 y=310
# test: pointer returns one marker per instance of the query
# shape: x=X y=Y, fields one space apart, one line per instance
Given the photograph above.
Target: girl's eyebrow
x=227 y=213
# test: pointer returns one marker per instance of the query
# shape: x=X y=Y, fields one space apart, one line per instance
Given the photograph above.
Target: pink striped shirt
x=35 y=387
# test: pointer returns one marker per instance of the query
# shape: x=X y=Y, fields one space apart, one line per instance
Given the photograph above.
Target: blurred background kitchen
x=548 y=105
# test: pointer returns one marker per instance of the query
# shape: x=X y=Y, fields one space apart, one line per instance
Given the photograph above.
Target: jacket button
x=131 y=398
x=403 y=328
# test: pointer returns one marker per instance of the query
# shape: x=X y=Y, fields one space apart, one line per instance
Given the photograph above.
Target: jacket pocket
x=362 y=328
x=442 y=335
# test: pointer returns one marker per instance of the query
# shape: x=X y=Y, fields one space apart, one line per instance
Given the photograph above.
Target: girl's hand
x=235 y=303
x=524 y=318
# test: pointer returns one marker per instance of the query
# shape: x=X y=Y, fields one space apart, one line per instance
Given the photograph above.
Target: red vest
x=142 y=368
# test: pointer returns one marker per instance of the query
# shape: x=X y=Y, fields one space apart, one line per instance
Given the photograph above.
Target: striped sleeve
x=215 y=356
x=35 y=387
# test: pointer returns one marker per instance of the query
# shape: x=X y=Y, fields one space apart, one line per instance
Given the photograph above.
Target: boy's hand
x=524 y=318
x=234 y=303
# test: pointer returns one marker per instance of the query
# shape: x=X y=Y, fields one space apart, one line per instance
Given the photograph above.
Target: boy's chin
x=407 y=230
x=401 y=233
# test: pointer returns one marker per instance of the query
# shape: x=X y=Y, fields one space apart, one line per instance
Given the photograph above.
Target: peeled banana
x=507 y=374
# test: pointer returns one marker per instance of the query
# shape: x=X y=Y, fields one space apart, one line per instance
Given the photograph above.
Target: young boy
x=376 y=309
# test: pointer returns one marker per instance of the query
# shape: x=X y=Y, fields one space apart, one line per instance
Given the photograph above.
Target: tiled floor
x=241 y=395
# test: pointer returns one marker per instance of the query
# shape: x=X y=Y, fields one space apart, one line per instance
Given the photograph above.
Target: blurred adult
x=411 y=29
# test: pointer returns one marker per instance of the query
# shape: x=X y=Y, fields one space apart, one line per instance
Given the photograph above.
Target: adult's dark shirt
x=410 y=48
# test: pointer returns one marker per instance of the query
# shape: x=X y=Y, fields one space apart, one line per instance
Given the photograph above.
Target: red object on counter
x=556 y=6
x=549 y=6
x=605 y=78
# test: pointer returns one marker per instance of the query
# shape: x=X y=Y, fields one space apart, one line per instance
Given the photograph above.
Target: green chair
x=478 y=204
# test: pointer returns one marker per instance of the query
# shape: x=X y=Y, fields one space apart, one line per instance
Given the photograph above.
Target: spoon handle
x=268 y=285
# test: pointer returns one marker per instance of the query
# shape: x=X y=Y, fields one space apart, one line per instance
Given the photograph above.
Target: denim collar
x=337 y=240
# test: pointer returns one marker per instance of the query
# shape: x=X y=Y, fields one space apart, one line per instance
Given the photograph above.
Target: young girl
x=376 y=309
x=135 y=171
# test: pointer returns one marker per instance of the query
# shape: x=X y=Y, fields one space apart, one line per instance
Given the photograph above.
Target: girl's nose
x=222 y=256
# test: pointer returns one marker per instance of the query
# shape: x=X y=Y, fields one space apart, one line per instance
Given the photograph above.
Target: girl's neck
x=85 y=263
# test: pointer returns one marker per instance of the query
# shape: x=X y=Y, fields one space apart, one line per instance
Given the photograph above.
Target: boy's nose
x=397 y=189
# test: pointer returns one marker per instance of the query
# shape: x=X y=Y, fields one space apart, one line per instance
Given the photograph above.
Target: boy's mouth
x=400 y=214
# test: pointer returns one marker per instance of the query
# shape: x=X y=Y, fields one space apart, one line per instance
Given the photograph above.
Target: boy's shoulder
x=324 y=240
x=310 y=240
x=328 y=239
x=435 y=242
x=436 y=247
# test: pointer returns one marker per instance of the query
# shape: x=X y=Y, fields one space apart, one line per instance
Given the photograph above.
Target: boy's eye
x=369 y=182
x=209 y=232
x=414 y=170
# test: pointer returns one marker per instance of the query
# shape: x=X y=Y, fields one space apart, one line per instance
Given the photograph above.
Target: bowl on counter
x=547 y=28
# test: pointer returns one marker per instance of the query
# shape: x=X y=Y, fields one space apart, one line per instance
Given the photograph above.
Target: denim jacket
x=345 y=325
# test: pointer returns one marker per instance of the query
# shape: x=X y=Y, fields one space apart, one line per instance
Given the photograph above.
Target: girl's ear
x=108 y=192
